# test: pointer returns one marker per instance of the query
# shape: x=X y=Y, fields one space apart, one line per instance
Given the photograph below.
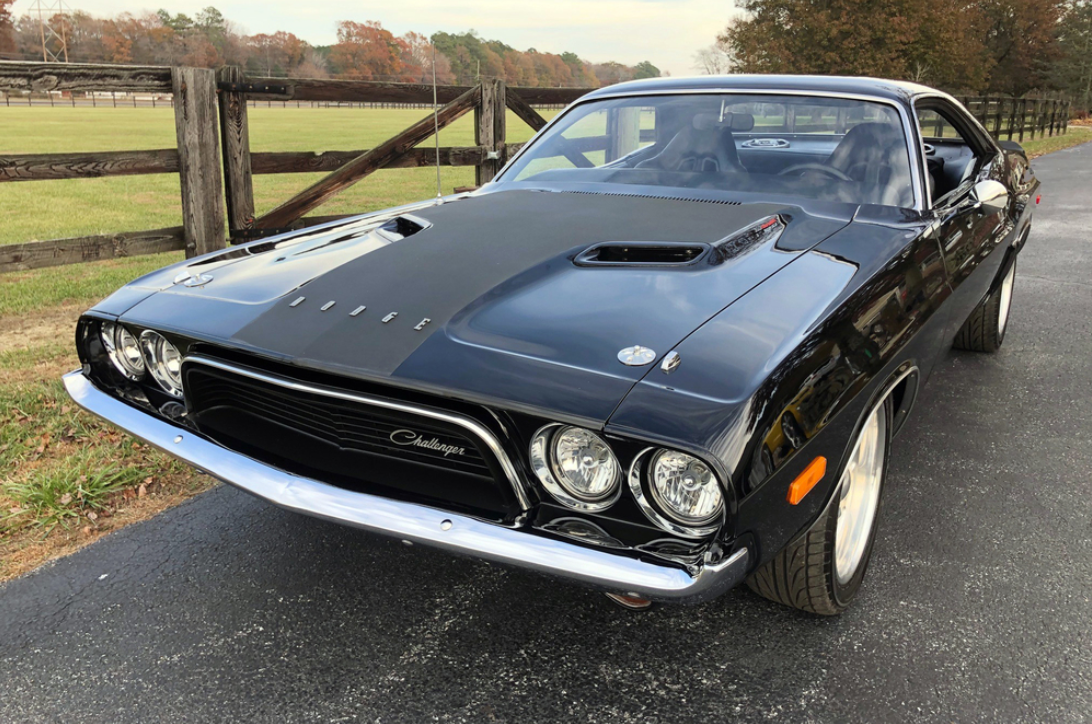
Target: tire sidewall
x=843 y=593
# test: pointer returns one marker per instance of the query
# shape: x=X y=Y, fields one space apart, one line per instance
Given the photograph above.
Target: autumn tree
x=1073 y=71
x=1021 y=39
x=930 y=40
x=365 y=51
x=7 y=27
x=276 y=54
x=418 y=57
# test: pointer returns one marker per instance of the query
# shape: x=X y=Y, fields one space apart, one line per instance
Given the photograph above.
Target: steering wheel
x=820 y=167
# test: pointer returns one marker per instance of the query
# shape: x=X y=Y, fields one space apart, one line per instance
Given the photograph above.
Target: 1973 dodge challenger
x=664 y=352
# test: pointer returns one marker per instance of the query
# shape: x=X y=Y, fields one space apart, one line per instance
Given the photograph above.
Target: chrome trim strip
x=908 y=124
x=417 y=523
x=472 y=426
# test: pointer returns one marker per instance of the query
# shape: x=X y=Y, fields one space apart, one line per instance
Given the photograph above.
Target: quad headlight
x=123 y=350
x=677 y=492
x=576 y=466
x=164 y=361
x=685 y=488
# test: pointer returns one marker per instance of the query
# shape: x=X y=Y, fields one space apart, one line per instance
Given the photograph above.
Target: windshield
x=829 y=149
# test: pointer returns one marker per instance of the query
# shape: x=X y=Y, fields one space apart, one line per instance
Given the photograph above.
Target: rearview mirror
x=990 y=197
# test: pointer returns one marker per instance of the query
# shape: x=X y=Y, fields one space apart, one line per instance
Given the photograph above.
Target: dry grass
x=1077 y=135
x=65 y=478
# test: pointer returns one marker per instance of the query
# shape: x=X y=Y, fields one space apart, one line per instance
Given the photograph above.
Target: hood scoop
x=402 y=227
x=642 y=253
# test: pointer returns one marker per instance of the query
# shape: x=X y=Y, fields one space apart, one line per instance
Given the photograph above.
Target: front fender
x=785 y=373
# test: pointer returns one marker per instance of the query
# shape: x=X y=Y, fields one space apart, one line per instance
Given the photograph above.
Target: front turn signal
x=807 y=480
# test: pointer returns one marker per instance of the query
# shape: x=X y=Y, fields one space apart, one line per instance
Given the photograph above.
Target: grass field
x=66 y=479
x=57 y=209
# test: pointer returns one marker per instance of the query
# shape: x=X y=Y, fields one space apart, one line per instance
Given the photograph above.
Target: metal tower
x=52 y=17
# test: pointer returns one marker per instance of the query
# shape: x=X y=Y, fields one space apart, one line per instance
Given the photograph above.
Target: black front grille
x=348 y=443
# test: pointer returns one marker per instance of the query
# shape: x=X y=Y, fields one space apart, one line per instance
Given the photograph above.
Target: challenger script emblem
x=409 y=438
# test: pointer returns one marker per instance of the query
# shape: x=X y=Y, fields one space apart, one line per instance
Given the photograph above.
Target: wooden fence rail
x=215 y=163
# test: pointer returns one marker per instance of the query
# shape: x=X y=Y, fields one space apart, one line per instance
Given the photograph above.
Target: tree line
x=996 y=46
x=363 y=51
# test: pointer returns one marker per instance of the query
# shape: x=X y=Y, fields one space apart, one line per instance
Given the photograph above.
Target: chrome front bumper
x=411 y=522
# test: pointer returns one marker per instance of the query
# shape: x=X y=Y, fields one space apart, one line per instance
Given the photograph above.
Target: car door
x=958 y=160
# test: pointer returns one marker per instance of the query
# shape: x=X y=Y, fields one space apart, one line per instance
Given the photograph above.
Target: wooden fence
x=211 y=112
x=1015 y=118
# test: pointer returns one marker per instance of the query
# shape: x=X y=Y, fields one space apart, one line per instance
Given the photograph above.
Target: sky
x=665 y=32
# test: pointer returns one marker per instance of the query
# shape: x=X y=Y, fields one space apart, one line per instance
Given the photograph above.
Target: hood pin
x=636 y=356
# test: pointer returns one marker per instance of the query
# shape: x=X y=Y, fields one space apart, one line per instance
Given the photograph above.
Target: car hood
x=483 y=298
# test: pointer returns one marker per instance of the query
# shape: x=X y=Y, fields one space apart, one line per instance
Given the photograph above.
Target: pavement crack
x=1086 y=285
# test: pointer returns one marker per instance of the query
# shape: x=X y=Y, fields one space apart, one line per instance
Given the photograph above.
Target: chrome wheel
x=1006 y=300
x=859 y=491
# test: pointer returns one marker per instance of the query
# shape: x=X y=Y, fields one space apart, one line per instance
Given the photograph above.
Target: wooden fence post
x=490 y=129
x=1023 y=117
x=235 y=131
x=195 y=125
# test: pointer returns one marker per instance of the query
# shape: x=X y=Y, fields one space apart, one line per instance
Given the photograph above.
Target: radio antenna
x=436 y=128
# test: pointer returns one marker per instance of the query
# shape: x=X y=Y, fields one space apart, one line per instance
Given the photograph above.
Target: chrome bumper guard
x=415 y=523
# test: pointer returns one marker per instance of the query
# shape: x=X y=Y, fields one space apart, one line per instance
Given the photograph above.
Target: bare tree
x=714 y=60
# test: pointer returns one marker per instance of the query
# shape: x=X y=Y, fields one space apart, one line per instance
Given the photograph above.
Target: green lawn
x=57 y=209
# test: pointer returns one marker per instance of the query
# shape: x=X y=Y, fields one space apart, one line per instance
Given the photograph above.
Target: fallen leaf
x=66 y=498
x=91 y=515
x=142 y=490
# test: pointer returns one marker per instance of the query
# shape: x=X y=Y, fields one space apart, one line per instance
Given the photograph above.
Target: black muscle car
x=665 y=351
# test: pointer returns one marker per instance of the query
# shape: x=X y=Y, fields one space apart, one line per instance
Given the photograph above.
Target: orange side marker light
x=807 y=480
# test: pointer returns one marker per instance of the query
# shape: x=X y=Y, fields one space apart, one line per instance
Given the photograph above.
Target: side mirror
x=990 y=197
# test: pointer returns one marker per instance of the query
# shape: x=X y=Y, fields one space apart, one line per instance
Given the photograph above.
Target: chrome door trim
x=468 y=424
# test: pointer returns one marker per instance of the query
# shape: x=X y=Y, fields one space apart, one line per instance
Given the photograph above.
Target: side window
x=936 y=127
x=951 y=160
x=597 y=138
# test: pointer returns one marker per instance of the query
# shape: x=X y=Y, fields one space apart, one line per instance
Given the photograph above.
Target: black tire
x=803 y=575
x=984 y=330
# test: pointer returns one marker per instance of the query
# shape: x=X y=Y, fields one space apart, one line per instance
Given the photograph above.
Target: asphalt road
x=976 y=608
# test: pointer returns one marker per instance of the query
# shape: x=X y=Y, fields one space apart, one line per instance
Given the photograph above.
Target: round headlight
x=576 y=466
x=122 y=348
x=685 y=488
x=164 y=361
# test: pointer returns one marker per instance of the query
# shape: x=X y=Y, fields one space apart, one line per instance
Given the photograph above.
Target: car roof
x=894 y=90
